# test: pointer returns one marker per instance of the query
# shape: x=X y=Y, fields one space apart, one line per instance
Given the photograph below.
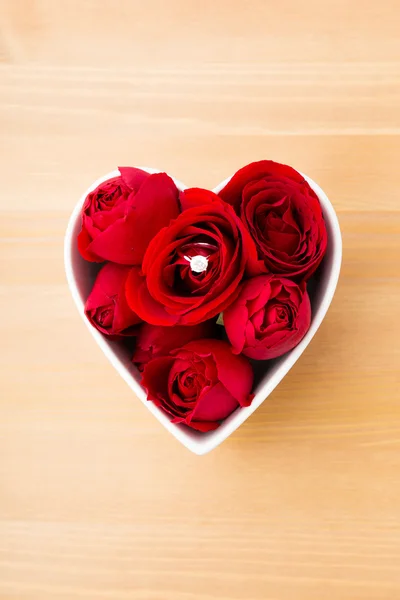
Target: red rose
x=269 y=318
x=106 y=307
x=282 y=214
x=122 y=215
x=154 y=340
x=192 y=268
x=199 y=384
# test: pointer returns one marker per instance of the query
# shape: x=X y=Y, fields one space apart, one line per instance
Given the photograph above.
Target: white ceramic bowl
x=80 y=276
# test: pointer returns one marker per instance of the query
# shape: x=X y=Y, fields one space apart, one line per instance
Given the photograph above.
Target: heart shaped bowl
x=81 y=275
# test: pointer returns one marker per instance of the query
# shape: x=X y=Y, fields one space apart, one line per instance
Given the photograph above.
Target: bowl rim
x=203 y=443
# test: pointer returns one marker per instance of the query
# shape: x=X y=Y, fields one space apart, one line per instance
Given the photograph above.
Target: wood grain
x=96 y=499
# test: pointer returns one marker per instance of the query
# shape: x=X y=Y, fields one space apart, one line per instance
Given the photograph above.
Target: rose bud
x=106 y=307
x=269 y=318
x=192 y=268
x=154 y=340
x=200 y=384
x=122 y=215
x=283 y=216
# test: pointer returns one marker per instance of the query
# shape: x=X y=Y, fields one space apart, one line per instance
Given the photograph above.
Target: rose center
x=104 y=317
x=281 y=313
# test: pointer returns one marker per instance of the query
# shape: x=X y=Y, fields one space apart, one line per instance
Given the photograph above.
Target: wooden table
x=97 y=500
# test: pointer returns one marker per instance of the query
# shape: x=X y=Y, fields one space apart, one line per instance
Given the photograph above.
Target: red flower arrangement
x=204 y=283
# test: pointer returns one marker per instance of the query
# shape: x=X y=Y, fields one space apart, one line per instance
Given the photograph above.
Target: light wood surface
x=97 y=500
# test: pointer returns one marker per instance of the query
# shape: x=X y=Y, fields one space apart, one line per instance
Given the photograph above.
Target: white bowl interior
x=81 y=275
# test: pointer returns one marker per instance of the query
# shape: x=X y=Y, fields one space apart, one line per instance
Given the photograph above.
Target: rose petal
x=133 y=177
x=154 y=340
x=214 y=404
x=143 y=304
x=191 y=197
